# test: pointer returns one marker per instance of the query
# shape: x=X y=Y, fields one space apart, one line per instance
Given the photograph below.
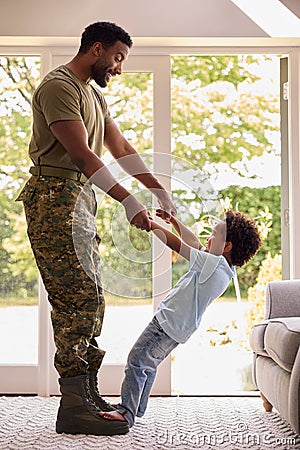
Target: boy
x=232 y=243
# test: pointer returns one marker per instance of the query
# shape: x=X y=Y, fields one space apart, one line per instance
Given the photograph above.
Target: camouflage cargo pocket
x=27 y=191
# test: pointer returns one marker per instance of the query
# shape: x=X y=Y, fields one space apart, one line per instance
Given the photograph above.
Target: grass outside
x=110 y=300
x=6 y=302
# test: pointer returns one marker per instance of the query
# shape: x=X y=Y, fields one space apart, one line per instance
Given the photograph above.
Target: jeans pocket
x=156 y=351
x=162 y=346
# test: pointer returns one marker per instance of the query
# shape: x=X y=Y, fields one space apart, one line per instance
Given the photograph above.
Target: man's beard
x=100 y=77
x=100 y=80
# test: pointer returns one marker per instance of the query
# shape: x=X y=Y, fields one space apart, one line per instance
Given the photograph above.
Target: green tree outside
x=18 y=78
x=215 y=119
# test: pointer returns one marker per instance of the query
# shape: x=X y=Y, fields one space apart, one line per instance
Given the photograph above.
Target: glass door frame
x=42 y=378
x=111 y=375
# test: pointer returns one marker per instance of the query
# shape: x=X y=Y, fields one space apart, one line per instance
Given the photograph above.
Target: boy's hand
x=162 y=214
x=159 y=212
x=167 y=208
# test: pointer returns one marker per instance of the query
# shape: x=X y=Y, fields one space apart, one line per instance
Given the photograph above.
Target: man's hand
x=167 y=208
x=136 y=213
x=142 y=220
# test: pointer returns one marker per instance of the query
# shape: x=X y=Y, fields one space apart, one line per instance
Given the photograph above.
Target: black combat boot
x=95 y=394
x=78 y=413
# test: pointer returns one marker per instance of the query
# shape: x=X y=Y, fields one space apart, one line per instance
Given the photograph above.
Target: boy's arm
x=186 y=235
x=171 y=240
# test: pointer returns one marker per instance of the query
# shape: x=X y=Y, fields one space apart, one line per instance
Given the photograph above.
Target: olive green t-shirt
x=63 y=96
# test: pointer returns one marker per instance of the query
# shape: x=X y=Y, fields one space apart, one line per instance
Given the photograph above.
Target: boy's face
x=217 y=239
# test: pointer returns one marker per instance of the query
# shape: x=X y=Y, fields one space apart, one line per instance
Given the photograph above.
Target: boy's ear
x=228 y=247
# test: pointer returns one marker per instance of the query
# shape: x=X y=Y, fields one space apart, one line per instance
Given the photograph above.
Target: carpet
x=209 y=423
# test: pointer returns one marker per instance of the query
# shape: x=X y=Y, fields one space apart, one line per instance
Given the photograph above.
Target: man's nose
x=119 y=69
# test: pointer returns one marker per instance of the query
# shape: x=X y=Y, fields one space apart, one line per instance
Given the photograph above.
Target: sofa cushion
x=257 y=338
x=282 y=340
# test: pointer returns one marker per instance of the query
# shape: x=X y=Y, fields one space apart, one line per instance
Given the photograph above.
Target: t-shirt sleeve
x=59 y=100
x=197 y=258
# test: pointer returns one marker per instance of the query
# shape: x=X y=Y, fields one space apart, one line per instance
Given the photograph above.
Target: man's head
x=105 y=32
x=244 y=236
x=108 y=46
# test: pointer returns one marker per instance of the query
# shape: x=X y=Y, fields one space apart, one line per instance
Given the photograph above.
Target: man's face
x=110 y=63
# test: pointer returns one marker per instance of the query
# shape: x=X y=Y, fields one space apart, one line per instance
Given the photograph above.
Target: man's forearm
x=135 y=166
x=103 y=179
x=98 y=174
x=130 y=160
x=73 y=136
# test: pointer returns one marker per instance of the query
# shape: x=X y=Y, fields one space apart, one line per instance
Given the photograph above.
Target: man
x=71 y=123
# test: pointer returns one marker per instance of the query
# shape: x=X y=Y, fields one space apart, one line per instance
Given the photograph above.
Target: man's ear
x=228 y=247
x=97 y=49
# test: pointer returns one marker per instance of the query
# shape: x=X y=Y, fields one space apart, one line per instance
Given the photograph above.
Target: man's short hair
x=107 y=33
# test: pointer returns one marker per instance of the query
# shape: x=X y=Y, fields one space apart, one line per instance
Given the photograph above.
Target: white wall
x=141 y=18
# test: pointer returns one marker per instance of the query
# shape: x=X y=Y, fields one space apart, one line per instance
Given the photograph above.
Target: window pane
x=126 y=255
x=18 y=273
x=226 y=137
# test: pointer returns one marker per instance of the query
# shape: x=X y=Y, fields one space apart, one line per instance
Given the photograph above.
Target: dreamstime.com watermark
x=241 y=435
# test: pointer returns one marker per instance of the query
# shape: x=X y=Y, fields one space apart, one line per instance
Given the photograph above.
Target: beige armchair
x=275 y=344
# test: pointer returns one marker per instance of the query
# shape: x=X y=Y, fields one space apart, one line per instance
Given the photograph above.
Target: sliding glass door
x=18 y=274
x=134 y=273
x=137 y=272
x=226 y=137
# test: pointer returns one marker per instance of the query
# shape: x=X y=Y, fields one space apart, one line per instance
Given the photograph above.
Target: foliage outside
x=263 y=204
x=217 y=119
x=18 y=78
x=270 y=270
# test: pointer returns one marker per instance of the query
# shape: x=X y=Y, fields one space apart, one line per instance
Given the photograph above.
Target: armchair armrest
x=283 y=299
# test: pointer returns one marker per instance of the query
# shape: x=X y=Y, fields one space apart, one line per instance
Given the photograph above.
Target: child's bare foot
x=112 y=415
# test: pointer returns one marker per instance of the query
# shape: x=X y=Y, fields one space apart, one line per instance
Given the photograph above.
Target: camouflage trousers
x=60 y=215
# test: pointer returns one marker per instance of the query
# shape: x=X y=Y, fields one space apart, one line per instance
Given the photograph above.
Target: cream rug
x=209 y=423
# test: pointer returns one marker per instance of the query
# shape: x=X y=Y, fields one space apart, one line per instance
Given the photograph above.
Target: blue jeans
x=151 y=348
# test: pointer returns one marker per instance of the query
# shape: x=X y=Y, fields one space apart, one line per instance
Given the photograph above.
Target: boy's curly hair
x=243 y=233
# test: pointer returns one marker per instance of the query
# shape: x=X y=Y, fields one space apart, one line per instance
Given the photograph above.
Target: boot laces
x=90 y=401
x=102 y=403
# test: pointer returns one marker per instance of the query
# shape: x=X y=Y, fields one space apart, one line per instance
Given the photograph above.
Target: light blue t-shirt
x=180 y=313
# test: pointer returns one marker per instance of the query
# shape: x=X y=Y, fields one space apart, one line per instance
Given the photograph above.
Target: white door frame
x=285 y=225
x=38 y=379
